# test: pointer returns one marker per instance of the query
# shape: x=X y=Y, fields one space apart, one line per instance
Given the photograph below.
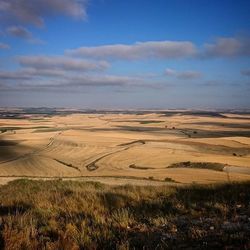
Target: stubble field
x=156 y=148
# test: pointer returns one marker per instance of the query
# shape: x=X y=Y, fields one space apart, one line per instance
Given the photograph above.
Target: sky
x=133 y=54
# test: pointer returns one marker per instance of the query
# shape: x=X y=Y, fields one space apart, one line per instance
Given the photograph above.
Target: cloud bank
x=85 y=66
x=25 y=81
x=63 y=73
x=225 y=47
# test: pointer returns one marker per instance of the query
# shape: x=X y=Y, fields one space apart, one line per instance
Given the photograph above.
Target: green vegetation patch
x=139 y=167
x=150 y=121
x=201 y=165
x=67 y=164
x=5 y=129
x=49 y=129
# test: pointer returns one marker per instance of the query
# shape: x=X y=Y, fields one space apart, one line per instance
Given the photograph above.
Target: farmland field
x=171 y=147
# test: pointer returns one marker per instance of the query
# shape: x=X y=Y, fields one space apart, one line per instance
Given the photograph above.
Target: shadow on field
x=6 y=149
x=220 y=193
x=222 y=124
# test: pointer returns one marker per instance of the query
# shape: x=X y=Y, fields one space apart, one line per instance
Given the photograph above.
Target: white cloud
x=245 y=72
x=183 y=75
x=170 y=72
x=4 y=46
x=20 y=32
x=138 y=51
x=61 y=63
x=223 y=47
x=227 y=47
x=23 y=33
x=21 y=80
x=34 y=11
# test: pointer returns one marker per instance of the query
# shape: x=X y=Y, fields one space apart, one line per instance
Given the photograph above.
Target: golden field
x=153 y=147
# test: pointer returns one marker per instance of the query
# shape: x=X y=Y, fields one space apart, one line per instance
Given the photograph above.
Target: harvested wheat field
x=138 y=147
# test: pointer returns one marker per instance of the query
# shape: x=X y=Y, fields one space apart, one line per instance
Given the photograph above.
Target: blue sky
x=125 y=54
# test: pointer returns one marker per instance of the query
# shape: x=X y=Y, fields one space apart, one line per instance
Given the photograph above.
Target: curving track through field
x=51 y=141
x=92 y=166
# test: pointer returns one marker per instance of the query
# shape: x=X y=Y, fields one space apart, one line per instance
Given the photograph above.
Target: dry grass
x=81 y=215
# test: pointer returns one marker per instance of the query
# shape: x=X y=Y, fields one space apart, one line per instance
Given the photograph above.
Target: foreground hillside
x=81 y=215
